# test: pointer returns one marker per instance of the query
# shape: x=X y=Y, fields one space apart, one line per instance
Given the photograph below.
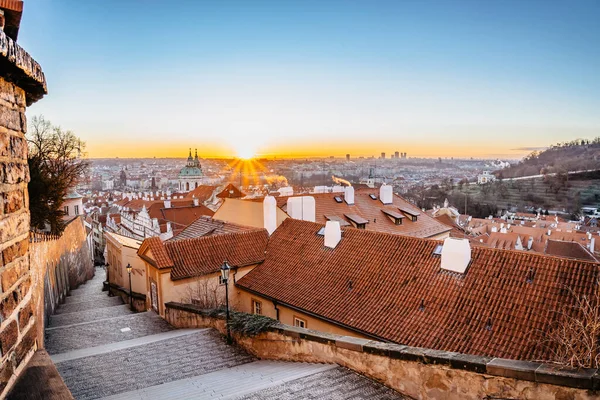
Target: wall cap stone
x=20 y=68
x=516 y=369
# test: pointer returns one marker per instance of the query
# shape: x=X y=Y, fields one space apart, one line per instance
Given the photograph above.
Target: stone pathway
x=103 y=350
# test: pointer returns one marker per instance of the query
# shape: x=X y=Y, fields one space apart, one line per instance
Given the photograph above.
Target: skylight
x=373 y=197
x=338 y=199
x=438 y=250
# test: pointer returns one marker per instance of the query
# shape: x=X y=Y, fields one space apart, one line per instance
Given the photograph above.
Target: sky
x=317 y=78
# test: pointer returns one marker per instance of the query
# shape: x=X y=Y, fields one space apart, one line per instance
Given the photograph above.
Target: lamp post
x=107 y=266
x=129 y=268
x=225 y=268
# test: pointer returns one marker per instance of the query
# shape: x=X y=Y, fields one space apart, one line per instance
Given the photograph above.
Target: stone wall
x=21 y=83
x=17 y=329
x=416 y=372
x=58 y=264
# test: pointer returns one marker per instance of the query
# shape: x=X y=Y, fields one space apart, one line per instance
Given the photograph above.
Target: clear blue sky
x=454 y=78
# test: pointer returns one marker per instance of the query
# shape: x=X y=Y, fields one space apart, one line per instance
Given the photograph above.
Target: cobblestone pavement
x=102 y=349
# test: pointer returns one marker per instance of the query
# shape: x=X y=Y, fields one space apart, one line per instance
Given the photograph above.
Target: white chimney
x=530 y=243
x=333 y=234
x=349 y=195
x=386 y=194
x=592 y=245
x=549 y=232
x=196 y=201
x=589 y=235
x=456 y=255
x=270 y=214
x=168 y=203
x=302 y=207
x=494 y=229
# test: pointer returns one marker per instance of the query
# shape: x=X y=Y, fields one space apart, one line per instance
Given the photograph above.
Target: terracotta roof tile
x=231 y=192
x=376 y=283
x=371 y=210
x=206 y=226
x=568 y=249
x=159 y=253
x=204 y=255
x=202 y=192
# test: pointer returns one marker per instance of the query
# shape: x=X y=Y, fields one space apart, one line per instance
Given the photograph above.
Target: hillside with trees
x=577 y=155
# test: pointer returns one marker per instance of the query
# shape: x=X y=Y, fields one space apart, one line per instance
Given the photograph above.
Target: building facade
x=191 y=176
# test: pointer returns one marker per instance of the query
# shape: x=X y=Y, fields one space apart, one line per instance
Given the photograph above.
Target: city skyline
x=451 y=79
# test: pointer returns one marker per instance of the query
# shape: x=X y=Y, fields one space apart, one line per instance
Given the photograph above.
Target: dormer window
x=412 y=215
x=394 y=216
x=357 y=221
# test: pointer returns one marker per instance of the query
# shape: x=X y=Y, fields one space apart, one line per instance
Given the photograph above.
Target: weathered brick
x=13 y=226
x=15 y=172
x=6 y=372
x=19 y=96
x=18 y=147
x=25 y=314
x=9 y=336
x=17 y=250
x=4 y=144
x=24 y=287
x=13 y=201
x=26 y=344
x=9 y=303
x=10 y=118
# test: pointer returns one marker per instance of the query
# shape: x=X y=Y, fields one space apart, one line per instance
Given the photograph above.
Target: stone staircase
x=103 y=350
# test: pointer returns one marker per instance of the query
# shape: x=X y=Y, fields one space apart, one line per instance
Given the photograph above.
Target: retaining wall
x=416 y=372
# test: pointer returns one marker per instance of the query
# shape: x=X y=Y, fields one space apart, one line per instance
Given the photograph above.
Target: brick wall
x=17 y=329
x=22 y=82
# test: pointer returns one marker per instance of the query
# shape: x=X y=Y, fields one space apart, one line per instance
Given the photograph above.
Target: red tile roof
x=181 y=217
x=231 y=192
x=392 y=287
x=160 y=258
x=206 y=226
x=202 y=193
x=371 y=210
x=205 y=255
x=568 y=249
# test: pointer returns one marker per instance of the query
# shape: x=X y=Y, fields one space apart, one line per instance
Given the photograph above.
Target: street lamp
x=129 y=268
x=225 y=268
x=107 y=266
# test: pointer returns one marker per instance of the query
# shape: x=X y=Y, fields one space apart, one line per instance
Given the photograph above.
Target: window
x=256 y=307
x=299 y=322
x=76 y=210
x=66 y=210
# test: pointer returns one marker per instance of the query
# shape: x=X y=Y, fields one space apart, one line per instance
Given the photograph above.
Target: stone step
x=136 y=367
x=164 y=337
x=105 y=331
x=90 y=297
x=227 y=383
x=96 y=314
x=88 y=305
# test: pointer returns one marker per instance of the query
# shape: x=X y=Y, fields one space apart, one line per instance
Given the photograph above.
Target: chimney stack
x=456 y=255
x=270 y=214
x=196 y=201
x=302 y=208
x=168 y=203
x=386 y=194
x=349 y=195
x=333 y=234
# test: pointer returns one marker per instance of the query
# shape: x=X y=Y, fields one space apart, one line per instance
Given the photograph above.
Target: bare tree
x=574 y=336
x=203 y=294
x=56 y=165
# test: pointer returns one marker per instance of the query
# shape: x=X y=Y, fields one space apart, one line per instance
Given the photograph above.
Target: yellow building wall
x=118 y=258
x=244 y=212
x=286 y=314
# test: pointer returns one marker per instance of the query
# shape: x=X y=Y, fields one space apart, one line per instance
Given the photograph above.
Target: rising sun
x=245 y=151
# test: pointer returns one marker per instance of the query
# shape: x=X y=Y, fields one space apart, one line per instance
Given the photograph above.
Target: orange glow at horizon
x=247 y=151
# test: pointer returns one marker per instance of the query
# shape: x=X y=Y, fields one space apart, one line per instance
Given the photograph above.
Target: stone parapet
x=19 y=68
x=416 y=372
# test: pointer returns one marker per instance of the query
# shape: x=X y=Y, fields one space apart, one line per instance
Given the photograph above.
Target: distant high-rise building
x=396 y=155
x=347 y=157
x=382 y=154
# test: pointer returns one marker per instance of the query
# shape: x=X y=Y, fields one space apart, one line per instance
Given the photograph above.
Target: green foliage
x=250 y=324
